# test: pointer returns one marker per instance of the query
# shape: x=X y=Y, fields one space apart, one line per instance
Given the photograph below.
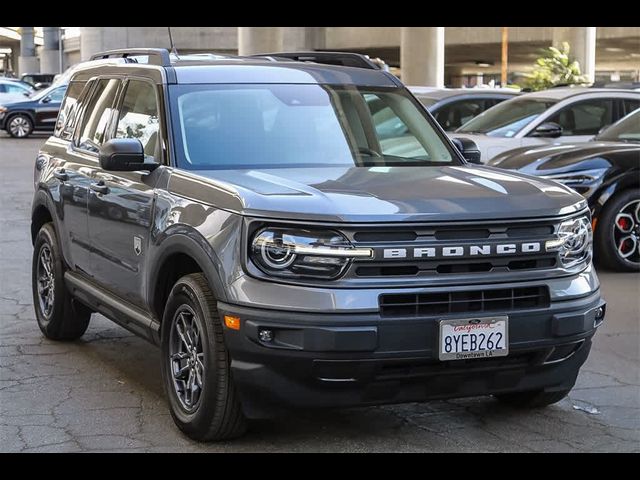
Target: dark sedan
x=606 y=171
x=38 y=112
x=453 y=107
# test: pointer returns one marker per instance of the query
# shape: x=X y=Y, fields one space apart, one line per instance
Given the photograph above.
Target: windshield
x=278 y=126
x=626 y=130
x=507 y=118
x=40 y=94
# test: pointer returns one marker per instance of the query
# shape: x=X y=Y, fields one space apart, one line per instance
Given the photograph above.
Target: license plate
x=481 y=337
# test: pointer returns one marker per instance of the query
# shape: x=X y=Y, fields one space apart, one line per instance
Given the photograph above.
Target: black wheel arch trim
x=181 y=239
x=615 y=185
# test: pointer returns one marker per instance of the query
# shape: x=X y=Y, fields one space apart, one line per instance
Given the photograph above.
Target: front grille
x=474 y=301
x=408 y=237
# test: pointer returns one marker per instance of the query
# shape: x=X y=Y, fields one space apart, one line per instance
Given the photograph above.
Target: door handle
x=99 y=187
x=60 y=174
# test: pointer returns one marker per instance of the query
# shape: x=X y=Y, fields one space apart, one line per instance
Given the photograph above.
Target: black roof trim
x=344 y=59
x=157 y=56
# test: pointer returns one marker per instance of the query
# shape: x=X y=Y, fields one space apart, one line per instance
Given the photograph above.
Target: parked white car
x=11 y=90
x=558 y=115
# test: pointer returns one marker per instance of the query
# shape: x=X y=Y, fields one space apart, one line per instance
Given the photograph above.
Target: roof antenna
x=173 y=47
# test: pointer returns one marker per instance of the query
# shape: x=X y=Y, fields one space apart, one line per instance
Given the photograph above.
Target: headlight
x=3 y=109
x=574 y=242
x=576 y=179
x=285 y=252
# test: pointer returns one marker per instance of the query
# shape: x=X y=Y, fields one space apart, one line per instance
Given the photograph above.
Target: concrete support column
x=252 y=40
x=50 y=54
x=422 y=56
x=28 y=62
x=99 y=39
x=582 y=41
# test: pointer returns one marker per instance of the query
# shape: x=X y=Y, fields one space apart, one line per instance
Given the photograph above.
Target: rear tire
x=59 y=316
x=532 y=399
x=196 y=366
x=608 y=234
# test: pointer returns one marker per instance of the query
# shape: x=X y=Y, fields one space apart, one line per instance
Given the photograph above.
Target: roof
x=442 y=93
x=213 y=68
x=566 y=92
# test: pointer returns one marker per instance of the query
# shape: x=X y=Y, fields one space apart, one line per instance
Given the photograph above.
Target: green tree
x=555 y=67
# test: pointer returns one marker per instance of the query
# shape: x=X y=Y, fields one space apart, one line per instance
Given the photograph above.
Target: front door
x=48 y=107
x=121 y=203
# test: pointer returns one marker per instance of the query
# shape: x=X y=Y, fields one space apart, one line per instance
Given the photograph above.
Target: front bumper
x=341 y=359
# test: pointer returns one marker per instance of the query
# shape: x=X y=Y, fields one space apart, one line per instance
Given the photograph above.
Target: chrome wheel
x=186 y=358
x=46 y=281
x=626 y=232
x=19 y=126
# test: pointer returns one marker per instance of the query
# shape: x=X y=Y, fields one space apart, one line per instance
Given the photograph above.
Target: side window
x=457 y=114
x=139 y=117
x=57 y=95
x=630 y=105
x=68 y=114
x=585 y=118
x=97 y=115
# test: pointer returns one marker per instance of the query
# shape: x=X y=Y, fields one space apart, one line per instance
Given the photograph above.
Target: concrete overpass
x=421 y=55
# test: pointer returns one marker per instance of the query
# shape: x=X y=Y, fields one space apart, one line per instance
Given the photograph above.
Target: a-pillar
x=28 y=62
x=582 y=41
x=50 y=54
x=422 y=56
x=252 y=40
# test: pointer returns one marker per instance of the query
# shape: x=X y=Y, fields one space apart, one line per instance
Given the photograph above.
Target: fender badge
x=137 y=245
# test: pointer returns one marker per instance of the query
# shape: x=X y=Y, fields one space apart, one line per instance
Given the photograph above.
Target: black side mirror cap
x=547 y=130
x=124 y=155
x=468 y=149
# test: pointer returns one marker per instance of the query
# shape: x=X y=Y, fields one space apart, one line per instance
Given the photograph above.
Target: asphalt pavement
x=104 y=392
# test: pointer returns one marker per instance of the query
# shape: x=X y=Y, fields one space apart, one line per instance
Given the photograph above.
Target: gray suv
x=284 y=249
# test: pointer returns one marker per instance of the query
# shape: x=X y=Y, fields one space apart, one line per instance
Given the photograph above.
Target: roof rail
x=157 y=56
x=345 y=59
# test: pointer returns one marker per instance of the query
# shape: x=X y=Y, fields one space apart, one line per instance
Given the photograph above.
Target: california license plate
x=479 y=337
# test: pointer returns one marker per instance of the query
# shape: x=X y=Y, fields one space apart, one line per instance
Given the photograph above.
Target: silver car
x=558 y=115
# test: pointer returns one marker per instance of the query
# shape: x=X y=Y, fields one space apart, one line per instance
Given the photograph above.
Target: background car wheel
x=20 y=126
x=534 y=399
x=617 y=235
x=59 y=316
x=196 y=364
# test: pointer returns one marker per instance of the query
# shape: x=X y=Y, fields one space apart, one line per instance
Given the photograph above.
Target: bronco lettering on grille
x=463 y=250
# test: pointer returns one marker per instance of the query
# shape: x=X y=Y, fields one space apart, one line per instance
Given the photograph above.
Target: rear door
x=80 y=162
x=120 y=212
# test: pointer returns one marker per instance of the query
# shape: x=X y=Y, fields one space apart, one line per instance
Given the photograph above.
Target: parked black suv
x=246 y=215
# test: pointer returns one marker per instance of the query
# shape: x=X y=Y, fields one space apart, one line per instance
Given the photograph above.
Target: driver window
x=138 y=117
x=585 y=118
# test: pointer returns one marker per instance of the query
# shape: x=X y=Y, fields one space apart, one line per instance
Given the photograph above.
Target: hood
x=490 y=146
x=554 y=159
x=378 y=194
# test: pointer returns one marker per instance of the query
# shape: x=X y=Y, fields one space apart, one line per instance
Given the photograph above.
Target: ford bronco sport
x=295 y=230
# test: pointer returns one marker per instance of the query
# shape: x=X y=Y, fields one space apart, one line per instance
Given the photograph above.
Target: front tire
x=20 y=126
x=196 y=367
x=532 y=399
x=59 y=316
x=617 y=235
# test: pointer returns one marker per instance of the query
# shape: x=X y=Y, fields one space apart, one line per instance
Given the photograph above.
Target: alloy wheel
x=186 y=358
x=19 y=126
x=46 y=281
x=626 y=232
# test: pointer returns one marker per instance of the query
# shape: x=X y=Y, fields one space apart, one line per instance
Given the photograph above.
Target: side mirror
x=468 y=149
x=547 y=130
x=46 y=99
x=124 y=155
